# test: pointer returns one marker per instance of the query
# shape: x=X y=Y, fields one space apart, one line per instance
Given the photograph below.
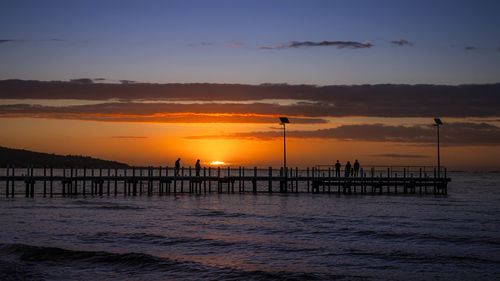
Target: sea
x=256 y=236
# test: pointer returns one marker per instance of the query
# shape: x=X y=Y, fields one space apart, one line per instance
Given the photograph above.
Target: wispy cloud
x=129 y=137
x=402 y=42
x=337 y=44
x=235 y=44
x=454 y=134
x=395 y=155
x=470 y=48
x=28 y=40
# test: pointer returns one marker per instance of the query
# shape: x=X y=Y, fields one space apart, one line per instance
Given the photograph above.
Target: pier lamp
x=284 y=121
x=438 y=123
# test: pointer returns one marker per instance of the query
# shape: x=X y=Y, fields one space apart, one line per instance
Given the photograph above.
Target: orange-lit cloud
x=459 y=134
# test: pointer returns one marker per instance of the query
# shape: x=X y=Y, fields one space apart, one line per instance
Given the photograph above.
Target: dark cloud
x=99 y=79
x=384 y=100
x=338 y=44
x=402 y=42
x=270 y=48
x=154 y=112
x=7 y=40
x=395 y=155
x=470 y=48
x=453 y=134
x=82 y=81
x=127 y=81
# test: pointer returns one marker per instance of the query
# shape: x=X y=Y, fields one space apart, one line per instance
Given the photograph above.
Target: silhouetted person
x=337 y=168
x=347 y=169
x=177 y=166
x=198 y=168
x=356 y=168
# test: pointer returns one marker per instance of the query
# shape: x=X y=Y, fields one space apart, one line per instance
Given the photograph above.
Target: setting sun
x=217 y=163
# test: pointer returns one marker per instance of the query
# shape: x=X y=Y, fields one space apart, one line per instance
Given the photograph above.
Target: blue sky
x=190 y=41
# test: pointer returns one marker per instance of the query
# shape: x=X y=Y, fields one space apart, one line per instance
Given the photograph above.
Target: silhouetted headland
x=25 y=158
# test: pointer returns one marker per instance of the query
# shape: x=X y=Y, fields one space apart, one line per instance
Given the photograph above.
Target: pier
x=162 y=181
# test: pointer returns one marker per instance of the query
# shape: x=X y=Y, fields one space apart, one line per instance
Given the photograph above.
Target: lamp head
x=284 y=120
x=438 y=121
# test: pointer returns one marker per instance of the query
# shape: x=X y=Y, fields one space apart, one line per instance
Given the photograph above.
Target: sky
x=121 y=73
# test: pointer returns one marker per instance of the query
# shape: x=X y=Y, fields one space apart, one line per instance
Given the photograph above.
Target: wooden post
x=7 y=182
x=134 y=186
x=204 y=179
x=254 y=182
x=44 y=181
x=308 y=182
x=26 y=181
x=83 y=181
x=51 y=180
x=70 y=182
x=219 y=188
x=100 y=182
x=182 y=180
x=270 y=183
x=160 y=187
x=140 y=181
x=116 y=181
x=108 y=184
x=125 y=181
x=13 y=183
x=239 y=178
x=64 y=182
x=209 y=181
x=228 y=176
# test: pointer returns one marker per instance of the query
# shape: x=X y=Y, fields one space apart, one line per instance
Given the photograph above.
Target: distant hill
x=24 y=158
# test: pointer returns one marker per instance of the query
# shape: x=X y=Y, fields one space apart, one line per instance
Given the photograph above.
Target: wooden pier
x=149 y=181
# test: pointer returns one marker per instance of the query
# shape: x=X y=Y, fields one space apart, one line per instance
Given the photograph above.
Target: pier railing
x=166 y=180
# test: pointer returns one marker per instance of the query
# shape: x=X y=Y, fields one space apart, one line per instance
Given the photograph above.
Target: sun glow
x=217 y=163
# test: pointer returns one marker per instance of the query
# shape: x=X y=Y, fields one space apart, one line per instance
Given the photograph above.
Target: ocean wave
x=152 y=267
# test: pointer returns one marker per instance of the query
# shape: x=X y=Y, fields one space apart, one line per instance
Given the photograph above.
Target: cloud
x=7 y=40
x=129 y=137
x=384 y=100
x=270 y=48
x=151 y=112
x=338 y=44
x=235 y=44
x=82 y=81
x=470 y=48
x=402 y=42
x=127 y=81
x=395 y=155
x=453 y=134
x=100 y=79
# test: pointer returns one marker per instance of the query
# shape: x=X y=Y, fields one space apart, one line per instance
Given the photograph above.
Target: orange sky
x=161 y=144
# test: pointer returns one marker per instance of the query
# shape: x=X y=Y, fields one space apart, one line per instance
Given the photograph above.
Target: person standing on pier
x=347 y=169
x=356 y=168
x=337 y=169
x=177 y=166
x=198 y=168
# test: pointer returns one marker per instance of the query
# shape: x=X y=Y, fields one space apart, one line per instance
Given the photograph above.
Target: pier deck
x=164 y=181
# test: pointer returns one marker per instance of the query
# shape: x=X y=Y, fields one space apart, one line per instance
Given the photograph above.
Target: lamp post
x=284 y=121
x=438 y=123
